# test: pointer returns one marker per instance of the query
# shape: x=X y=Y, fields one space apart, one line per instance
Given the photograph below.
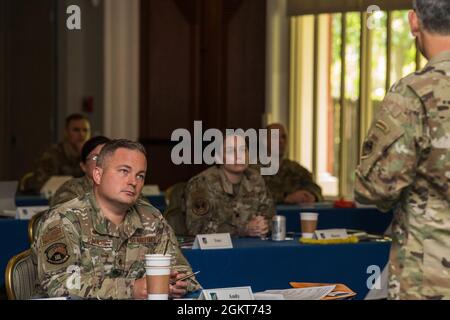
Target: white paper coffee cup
x=158 y=260
x=309 y=216
x=157 y=282
x=308 y=223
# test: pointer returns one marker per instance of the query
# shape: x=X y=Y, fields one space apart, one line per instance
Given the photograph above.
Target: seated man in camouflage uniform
x=293 y=183
x=229 y=198
x=103 y=236
x=62 y=159
x=77 y=187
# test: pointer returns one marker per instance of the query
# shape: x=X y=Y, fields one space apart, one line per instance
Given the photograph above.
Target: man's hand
x=257 y=227
x=179 y=288
x=140 y=289
x=300 y=196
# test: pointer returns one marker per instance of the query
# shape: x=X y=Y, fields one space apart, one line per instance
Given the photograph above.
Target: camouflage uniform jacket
x=76 y=237
x=71 y=189
x=291 y=177
x=405 y=165
x=214 y=205
x=58 y=160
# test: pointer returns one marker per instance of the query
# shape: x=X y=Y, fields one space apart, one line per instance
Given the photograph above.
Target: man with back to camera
x=105 y=235
x=405 y=162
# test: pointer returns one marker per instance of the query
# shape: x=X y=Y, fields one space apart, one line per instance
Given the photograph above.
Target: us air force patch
x=367 y=149
x=200 y=206
x=57 y=253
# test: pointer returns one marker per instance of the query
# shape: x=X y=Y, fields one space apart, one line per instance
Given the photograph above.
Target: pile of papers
x=308 y=291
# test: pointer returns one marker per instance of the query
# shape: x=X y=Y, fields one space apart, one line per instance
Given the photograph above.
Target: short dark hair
x=91 y=144
x=110 y=147
x=434 y=15
x=75 y=116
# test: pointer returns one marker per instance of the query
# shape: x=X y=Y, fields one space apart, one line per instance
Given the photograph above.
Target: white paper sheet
x=313 y=293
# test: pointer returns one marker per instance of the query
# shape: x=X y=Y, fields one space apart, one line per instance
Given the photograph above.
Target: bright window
x=340 y=72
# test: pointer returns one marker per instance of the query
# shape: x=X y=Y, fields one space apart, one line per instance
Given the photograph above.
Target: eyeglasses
x=93 y=158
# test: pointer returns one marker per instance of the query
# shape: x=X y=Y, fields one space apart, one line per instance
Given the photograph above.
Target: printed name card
x=26 y=213
x=331 y=234
x=213 y=241
x=53 y=184
x=151 y=190
x=236 y=293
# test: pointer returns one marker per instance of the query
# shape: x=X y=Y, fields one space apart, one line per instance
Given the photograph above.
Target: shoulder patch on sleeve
x=200 y=205
x=57 y=253
x=367 y=148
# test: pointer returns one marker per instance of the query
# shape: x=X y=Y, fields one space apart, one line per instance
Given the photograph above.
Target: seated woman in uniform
x=229 y=197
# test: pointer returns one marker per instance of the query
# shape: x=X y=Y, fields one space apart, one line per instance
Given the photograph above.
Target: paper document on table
x=312 y=293
x=54 y=298
x=268 y=296
x=340 y=291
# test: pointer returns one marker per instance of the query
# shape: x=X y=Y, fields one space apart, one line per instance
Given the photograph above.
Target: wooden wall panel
x=5 y=120
x=30 y=78
x=245 y=73
x=167 y=68
x=200 y=60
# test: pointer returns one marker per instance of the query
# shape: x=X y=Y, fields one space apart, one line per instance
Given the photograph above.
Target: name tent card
x=151 y=190
x=26 y=213
x=52 y=185
x=213 y=241
x=331 y=234
x=236 y=293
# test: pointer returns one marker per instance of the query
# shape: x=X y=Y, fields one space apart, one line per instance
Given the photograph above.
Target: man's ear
x=97 y=175
x=414 y=23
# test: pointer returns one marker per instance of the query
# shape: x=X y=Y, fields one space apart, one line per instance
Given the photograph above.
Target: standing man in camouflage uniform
x=77 y=187
x=405 y=163
x=293 y=183
x=230 y=197
x=62 y=159
x=94 y=247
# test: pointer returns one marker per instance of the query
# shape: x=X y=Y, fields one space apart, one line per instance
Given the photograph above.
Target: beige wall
x=121 y=69
x=80 y=63
x=277 y=63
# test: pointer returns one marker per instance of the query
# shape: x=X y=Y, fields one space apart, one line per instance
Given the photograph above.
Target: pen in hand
x=172 y=282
